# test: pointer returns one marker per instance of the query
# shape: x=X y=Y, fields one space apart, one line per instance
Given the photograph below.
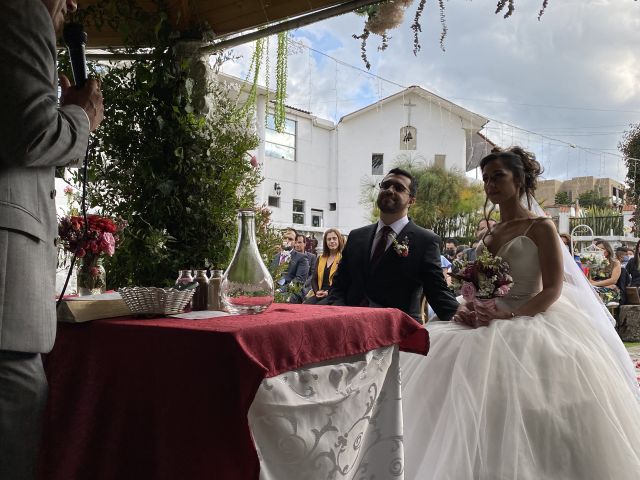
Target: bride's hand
x=485 y=314
x=465 y=316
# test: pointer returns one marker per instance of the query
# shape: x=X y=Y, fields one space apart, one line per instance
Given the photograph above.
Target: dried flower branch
x=416 y=27
x=363 y=46
x=544 y=7
x=386 y=15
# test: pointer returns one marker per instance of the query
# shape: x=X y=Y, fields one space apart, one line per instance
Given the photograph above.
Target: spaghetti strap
x=535 y=220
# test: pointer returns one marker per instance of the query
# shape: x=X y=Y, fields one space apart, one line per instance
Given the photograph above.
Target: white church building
x=314 y=171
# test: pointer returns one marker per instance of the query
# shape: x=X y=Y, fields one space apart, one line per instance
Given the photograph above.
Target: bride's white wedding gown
x=527 y=398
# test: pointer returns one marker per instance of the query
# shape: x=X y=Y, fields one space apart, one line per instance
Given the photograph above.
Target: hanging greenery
x=176 y=175
x=387 y=15
x=260 y=62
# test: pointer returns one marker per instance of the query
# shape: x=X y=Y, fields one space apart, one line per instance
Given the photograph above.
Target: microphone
x=76 y=38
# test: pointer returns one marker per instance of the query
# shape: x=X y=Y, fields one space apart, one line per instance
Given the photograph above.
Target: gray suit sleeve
x=34 y=132
x=302 y=270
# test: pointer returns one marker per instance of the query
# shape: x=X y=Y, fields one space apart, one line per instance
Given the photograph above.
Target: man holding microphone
x=36 y=135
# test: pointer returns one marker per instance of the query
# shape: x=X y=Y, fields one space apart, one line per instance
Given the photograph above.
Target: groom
x=392 y=262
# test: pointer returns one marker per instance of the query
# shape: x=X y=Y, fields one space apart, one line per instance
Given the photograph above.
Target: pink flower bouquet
x=487 y=277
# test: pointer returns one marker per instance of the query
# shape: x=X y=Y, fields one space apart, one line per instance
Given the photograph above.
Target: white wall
x=306 y=178
x=332 y=162
x=378 y=131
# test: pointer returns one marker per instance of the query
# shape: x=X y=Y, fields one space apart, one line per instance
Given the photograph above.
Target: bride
x=539 y=387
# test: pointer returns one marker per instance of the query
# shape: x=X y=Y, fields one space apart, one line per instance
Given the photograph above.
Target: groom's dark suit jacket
x=395 y=281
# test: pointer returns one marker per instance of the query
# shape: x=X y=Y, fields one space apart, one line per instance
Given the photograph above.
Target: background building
x=314 y=171
x=605 y=187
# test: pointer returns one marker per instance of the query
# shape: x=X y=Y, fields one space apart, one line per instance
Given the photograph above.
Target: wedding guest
x=326 y=267
x=481 y=228
x=297 y=267
x=300 y=246
x=446 y=265
x=37 y=134
x=460 y=251
x=450 y=245
x=605 y=284
x=633 y=267
x=566 y=240
x=538 y=386
x=621 y=255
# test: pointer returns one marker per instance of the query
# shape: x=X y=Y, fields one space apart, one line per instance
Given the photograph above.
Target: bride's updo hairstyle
x=522 y=164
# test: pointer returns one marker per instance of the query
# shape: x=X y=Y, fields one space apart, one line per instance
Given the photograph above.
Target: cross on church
x=409 y=105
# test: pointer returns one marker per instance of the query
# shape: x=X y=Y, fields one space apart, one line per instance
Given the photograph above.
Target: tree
x=630 y=148
x=592 y=198
x=562 y=198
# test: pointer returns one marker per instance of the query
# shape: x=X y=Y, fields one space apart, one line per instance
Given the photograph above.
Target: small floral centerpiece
x=101 y=238
x=486 y=278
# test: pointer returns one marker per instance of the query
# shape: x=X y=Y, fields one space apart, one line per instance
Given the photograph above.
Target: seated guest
x=621 y=255
x=481 y=229
x=450 y=245
x=297 y=263
x=326 y=267
x=300 y=246
x=446 y=268
x=566 y=240
x=606 y=280
x=632 y=268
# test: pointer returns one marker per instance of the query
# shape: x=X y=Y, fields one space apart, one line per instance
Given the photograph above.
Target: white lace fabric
x=335 y=420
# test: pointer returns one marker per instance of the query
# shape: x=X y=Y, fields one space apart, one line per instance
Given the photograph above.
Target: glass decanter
x=247 y=286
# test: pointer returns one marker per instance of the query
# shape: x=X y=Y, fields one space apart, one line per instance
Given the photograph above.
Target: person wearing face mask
x=298 y=264
x=450 y=246
x=621 y=255
x=633 y=267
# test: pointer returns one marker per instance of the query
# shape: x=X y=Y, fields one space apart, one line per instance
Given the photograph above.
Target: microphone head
x=74 y=35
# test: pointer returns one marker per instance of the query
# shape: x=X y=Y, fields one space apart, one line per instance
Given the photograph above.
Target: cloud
x=573 y=76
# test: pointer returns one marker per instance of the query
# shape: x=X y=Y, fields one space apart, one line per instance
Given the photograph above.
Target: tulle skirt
x=529 y=398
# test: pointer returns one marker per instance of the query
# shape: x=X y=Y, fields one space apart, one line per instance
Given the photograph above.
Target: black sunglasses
x=398 y=187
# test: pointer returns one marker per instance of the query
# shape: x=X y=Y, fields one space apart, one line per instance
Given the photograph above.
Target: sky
x=566 y=87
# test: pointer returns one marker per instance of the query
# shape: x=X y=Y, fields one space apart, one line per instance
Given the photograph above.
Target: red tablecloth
x=167 y=399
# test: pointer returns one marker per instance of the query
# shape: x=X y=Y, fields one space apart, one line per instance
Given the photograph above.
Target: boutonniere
x=401 y=248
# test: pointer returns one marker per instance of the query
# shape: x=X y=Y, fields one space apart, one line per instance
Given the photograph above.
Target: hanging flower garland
x=387 y=15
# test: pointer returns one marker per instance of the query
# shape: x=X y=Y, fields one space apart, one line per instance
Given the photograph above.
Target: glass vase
x=91 y=276
x=247 y=286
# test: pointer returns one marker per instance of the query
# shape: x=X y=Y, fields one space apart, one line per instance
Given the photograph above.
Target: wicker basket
x=155 y=301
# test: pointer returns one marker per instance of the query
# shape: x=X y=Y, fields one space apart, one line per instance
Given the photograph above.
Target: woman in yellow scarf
x=326 y=267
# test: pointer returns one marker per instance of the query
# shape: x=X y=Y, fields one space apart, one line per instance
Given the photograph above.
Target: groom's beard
x=390 y=203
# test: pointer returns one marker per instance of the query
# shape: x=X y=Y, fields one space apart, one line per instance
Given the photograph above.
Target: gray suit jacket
x=297 y=270
x=35 y=137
